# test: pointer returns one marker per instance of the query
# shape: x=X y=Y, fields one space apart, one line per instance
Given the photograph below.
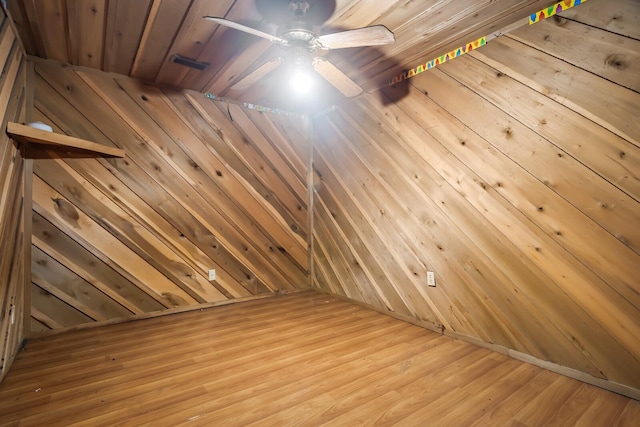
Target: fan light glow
x=302 y=41
x=300 y=81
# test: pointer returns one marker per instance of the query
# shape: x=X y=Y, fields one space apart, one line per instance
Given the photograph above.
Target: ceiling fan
x=301 y=42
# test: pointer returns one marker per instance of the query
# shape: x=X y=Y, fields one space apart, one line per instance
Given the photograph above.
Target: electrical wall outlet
x=212 y=274
x=431 y=278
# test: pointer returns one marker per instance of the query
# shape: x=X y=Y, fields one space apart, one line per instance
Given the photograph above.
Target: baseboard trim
x=159 y=313
x=612 y=386
x=608 y=385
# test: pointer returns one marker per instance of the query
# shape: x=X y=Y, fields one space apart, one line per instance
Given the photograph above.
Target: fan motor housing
x=300 y=35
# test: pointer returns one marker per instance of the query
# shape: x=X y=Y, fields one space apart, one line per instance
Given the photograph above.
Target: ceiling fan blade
x=237 y=26
x=375 y=35
x=337 y=78
x=256 y=75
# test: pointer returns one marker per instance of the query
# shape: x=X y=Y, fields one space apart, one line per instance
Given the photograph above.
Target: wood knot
x=559 y=21
x=66 y=210
x=144 y=98
x=173 y=300
x=616 y=61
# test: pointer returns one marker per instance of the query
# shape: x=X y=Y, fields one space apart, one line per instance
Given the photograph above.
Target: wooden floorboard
x=300 y=359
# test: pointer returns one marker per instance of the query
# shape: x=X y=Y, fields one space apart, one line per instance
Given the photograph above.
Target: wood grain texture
x=305 y=359
x=138 y=234
x=140 y=38
x=507 y=174
x=125 y=22
x=612 y=56
x=13 y=227
x=513 y=173
x=58 y=142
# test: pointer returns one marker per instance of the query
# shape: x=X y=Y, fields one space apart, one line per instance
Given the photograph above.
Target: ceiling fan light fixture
x=300 y=80
x=301 y=40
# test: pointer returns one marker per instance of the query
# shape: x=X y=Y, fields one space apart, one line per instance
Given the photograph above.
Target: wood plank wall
x=513 y=173
x=203 y=185
x=12 y=260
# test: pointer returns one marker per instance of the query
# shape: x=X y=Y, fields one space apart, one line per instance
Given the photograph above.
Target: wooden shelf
x=61 y=143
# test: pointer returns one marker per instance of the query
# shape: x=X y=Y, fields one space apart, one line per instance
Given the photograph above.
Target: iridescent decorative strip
x=255 y=107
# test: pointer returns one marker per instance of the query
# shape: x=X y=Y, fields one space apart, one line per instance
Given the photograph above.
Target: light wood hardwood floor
x=301 y=359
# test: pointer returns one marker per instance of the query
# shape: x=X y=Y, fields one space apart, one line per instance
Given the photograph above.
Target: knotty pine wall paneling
x=13 y=227
x=203 y=185
x=512 y=173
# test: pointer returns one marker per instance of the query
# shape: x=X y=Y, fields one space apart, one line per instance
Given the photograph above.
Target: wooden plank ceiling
x=139 y=38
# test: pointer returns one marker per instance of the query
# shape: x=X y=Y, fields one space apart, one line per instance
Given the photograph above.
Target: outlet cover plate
x=431 y=278
x=212 y=274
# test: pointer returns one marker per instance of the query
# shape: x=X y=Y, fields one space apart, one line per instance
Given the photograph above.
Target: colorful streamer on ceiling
x=439 y=60
x=561 y=6
x=545 y=13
